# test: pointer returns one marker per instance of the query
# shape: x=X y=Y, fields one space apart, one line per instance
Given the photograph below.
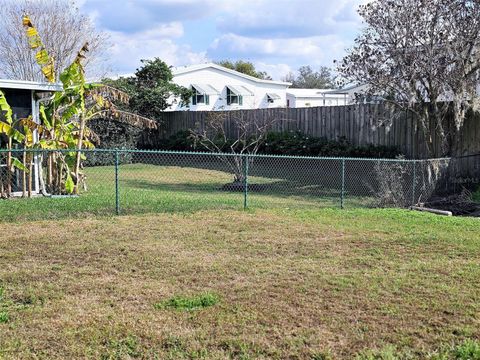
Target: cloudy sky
x=278 y=36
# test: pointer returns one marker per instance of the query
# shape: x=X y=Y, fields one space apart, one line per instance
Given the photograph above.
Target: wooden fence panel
x=361 y=124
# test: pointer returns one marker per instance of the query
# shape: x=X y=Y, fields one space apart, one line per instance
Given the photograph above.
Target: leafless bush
x=392 y=188
x=236 y=133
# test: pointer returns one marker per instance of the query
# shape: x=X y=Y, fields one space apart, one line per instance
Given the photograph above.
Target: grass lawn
x=147 y=188
x=224 y=283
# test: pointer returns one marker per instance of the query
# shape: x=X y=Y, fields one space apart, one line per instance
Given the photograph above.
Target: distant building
x=299 y=98
x=219 y=88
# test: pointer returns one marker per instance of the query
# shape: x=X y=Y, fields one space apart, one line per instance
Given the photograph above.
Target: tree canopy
x=64 y=30
x=151 y=88
x=245 y=67
x=307 y=78
x=422 y=55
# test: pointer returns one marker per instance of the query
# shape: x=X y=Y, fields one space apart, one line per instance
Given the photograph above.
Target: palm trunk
x=30 y=170
x=79 y=154
x=24 y=175
x=50 y=171
x=59 y=170
x=9 y=167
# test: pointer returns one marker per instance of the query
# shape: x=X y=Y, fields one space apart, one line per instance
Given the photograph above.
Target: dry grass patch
x=291 y=284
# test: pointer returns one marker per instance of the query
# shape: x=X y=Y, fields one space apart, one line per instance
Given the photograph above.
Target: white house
x=219 y=88
x=298 y=98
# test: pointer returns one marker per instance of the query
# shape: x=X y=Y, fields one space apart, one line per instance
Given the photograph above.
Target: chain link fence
x=137 y=181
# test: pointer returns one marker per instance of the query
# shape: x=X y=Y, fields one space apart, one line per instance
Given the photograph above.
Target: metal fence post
x=414 y=181
x=245 y=179
x=342 y=194
x=117 y=197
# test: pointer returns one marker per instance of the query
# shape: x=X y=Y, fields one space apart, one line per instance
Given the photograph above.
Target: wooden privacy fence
x=362 y=124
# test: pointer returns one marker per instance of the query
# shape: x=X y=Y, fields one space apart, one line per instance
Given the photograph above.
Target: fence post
x=342 y=194
x=117 y=197
x=414 y=181
x=245 y=179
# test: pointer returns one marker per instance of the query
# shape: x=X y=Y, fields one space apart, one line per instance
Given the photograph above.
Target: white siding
x=295 y=101
x=219 y=80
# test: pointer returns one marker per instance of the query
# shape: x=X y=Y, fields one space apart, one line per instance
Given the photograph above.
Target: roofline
x=29 y=85
x=351 y=87
x=314 y=95
x=191 y=68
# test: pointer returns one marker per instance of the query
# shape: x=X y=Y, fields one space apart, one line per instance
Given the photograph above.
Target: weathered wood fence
x=362 y=124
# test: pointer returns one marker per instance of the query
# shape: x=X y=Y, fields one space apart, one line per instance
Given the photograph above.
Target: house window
x=271 y=97
x=233 y=98
x=288 y=102
x=199 y=98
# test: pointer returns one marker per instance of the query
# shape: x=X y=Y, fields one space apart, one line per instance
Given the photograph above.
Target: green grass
x=293 y=283
x=297 y=276
x=148 y=188
x=188 y=303
x=465 y=350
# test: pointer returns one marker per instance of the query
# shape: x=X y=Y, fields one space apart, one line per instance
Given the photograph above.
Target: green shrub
x=296 y=143
x=476 y=196
x=112 y=135
x=289 y=143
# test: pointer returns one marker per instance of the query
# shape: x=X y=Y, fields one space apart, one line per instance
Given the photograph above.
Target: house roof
x=314 y=93
x=192 y=68
x=205 y=89
x=352 y=87
x=29 y=85
x=240 y=90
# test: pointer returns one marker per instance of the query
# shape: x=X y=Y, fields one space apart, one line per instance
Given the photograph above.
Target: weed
x=120 y=349
x=4 y=317
x=188 y=303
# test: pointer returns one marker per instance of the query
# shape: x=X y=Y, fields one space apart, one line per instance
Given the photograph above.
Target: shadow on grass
x=276 y=188
x=196 y=192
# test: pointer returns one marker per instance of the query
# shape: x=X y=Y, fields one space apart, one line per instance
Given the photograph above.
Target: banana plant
x=64 y=117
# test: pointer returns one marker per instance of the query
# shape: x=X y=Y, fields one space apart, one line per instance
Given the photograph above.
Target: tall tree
x=245 y=67
x=64 y=30
x=307 y=78
x=423 y=56
x=151 y=88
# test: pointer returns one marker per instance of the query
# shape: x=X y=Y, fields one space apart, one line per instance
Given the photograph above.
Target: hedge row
x=291 y=143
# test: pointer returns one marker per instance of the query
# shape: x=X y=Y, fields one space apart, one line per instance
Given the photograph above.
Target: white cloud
x=276 y=35
x=312 y=50
x=134 y=16
x=289 y=19
x=128 y=50
x=276 y=71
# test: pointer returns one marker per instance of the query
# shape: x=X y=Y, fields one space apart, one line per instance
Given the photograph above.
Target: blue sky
x=278 y=36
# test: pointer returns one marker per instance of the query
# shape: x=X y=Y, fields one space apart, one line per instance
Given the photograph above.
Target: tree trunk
x=24 y=175
x=9 y=168
x=50 y=171
x=30 y=170
x=79 y=154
